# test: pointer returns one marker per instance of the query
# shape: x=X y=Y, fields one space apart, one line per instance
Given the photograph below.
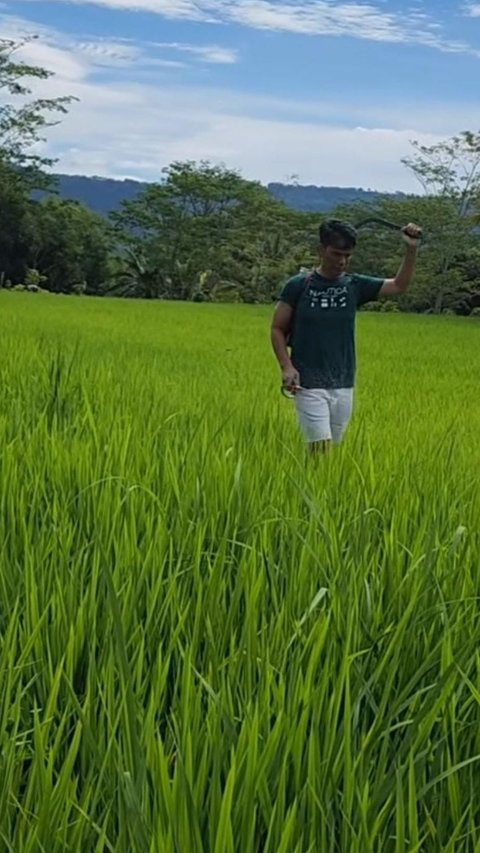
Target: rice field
x=207 y=645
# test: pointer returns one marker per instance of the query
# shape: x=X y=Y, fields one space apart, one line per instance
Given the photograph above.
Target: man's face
x=335 y=260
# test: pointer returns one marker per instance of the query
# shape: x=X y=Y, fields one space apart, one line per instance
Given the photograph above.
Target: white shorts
x=324 y=413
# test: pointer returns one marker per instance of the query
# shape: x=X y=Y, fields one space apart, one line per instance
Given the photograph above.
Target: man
x=315 y=315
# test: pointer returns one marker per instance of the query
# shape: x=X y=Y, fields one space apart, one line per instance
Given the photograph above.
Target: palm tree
x=139 y=278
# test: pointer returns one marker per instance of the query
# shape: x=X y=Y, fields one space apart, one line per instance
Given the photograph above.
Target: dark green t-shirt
x=323 y=333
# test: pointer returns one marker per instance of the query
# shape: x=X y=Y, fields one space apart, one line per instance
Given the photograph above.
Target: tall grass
x=207 y=645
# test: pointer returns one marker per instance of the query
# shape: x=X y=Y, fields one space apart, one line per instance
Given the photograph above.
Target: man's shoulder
x=293 y=287
x=361 y=278
x=353 y=278
x=301 y=277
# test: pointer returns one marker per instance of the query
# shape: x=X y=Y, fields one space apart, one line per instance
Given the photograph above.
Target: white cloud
x=361 y=20
x=173 y=9
x=108 y=53
x=70 y=58
x=472 y=10
x=320 y=17
x=356 y=20
x=165 y=126
x=67 y=65
x=125 y=129
x=174 y=124
x=209 y=53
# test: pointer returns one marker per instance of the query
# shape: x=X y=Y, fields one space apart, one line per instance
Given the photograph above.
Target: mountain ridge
x=105 y=195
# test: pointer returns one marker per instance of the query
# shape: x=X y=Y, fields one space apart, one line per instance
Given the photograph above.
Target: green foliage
x=24 y=126
x=206 y=233
x=205 y=230
x=56 y=242
x=384 y=306
x=449 y=169
x=372 y=307
x=450 y=175
x=389 y=307
x=137 y=277
x=448 y=266
x=70 y=246
x=67 y=244
x=15 y=224
x=34 y=278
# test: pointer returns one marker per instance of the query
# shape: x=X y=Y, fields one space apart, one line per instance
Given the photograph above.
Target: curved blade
x=382 y=223
x=377 y=220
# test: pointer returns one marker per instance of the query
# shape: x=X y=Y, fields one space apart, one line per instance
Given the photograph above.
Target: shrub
x=389 y=307
x=372 y=306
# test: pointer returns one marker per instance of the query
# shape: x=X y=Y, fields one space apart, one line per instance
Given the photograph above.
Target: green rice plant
x=206 y=643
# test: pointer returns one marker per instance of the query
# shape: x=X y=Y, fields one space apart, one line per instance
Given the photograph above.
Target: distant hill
x=322 y=199
x=104 y=195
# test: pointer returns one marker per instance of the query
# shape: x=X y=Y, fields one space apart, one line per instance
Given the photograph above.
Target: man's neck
x=326 y=275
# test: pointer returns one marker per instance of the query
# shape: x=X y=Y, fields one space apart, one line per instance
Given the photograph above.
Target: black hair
x=339 y=234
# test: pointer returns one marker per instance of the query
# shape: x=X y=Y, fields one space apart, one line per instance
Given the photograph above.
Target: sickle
x=377 y=220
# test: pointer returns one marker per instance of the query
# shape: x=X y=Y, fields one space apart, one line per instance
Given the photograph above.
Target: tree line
x=205 y=233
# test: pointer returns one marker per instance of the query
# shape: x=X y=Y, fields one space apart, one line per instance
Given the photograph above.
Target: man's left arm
x=398 y=285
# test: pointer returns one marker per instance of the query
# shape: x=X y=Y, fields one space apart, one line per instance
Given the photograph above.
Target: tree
x=60 y=240
x=15 y=224
x=137 y=277
x=205 y=230
x=23 y=126
x=70 y=246
x=449 y=169
x=449 y=173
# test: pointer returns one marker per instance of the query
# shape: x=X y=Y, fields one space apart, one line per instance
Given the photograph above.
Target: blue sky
x=331 y=91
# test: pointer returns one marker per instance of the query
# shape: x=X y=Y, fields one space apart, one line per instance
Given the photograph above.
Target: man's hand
x=291 y=379
x=397 y=286
x=412 y=234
